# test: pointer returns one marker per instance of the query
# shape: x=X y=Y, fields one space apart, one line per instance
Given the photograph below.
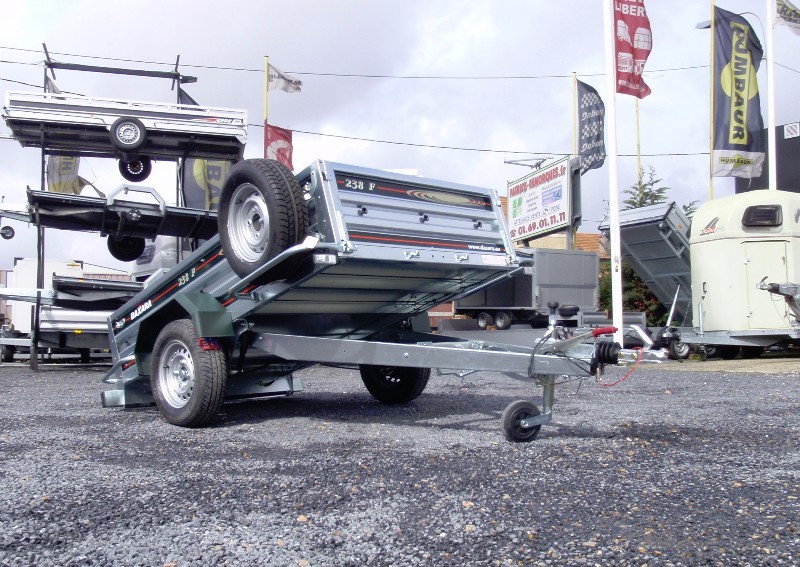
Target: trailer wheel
x=484 y=319
x=128 y=134
x=512 y=421
x=678 y=350
x=394 y=384
x=136 y=170
x=188 y=375
x=261 y=214
x=502 y=320
x=7 y=354
x=126 y=248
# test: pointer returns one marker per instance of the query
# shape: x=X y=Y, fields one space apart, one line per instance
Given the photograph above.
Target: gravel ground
x=681 y=464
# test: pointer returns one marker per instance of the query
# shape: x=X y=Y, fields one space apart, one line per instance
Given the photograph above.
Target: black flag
x=184 y=98
x=591 y=120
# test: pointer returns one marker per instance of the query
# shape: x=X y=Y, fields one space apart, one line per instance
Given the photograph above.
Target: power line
x=466 y=149
x=19 y=82
x=348 y=75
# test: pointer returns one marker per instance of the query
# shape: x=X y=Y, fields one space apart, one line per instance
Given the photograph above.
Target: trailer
x=712 y=273
x=128 y=216
x=337 y=265
x=738 y=244
x=567 y=277
x=134 y=132
x=74 y=310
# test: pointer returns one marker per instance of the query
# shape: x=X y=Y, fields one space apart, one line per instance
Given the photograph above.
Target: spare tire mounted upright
x=261 y=213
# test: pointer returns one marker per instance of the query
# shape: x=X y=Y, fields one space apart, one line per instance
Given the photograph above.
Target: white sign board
x=540 y=202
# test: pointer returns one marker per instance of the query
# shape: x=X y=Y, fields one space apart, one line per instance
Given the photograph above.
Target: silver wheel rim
x=128 y=133
x=248 y=223
x=176 y=374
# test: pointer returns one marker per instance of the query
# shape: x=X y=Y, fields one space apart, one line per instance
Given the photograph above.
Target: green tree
x=645 y=192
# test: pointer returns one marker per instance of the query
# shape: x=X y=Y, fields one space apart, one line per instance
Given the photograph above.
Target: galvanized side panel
x=376 y=214
x=655 y=241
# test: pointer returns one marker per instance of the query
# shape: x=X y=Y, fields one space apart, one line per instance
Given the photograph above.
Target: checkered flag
x=591 y=119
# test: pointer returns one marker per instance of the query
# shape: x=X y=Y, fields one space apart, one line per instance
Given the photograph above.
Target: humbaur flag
x=591 y=120
x=62 y=175
x=278 y=80
x=278 y=145
x=789 y=15
x=738 y=142
x=634 y=41
x=203 y=180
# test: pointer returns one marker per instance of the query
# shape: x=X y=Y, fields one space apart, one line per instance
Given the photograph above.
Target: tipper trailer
x=337 y=265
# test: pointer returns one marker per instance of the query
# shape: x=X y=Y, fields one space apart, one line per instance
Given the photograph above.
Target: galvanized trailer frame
x=381 y=250
x=68 y=124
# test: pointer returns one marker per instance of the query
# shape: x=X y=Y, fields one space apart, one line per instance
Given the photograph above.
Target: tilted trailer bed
x=336 y=265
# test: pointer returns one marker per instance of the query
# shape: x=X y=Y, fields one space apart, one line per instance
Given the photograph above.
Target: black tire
x=7 y=353
x=85 y=355
x=126 y=248
x=512 y=418
x=136 y=170
x=752 y=351
x=502 y=320
x=678 y=350
x=394 y=384
x=484 y=319
x=128 y=134
x=188 y=377
x=261 y=213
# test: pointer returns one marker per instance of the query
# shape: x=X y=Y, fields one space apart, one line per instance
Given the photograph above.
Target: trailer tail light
x=763 y=215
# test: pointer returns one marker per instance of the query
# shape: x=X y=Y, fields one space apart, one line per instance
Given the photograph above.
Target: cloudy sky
x=449 y=88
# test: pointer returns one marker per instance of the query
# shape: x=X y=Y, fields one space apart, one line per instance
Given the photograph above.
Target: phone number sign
x=539 y=202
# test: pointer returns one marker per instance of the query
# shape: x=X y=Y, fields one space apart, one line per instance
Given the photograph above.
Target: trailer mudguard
x=208 y=315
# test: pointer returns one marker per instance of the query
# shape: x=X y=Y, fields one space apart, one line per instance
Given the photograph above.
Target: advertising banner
x=540 y=202
x=202 y=182
x=591 y=120
x=738 y=145
x=634 y=41
x=278 y=144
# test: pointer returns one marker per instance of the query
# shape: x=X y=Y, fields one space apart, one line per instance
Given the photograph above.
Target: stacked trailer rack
x=337 y=265
x=133 y=132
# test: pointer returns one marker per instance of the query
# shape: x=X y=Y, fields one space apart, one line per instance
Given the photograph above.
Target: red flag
x=278 y=145
x=633 y=44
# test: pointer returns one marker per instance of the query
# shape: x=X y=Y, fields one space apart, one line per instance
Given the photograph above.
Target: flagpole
x=266 y=86
x=638 y=148
x=711 y=114
x=574 y=114
x=772 y=133
x=613 y=174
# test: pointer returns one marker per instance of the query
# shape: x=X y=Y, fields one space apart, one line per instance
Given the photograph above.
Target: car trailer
x=337 y=265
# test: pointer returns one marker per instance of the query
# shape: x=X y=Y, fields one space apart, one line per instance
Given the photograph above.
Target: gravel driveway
x=682 y=464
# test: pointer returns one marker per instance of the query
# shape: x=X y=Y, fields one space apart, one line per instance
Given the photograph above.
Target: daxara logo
x=711 y=227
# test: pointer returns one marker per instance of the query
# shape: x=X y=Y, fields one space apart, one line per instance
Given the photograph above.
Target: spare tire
x=261 y=213
x=136 y=170
x=128 y=134
x=126 y=248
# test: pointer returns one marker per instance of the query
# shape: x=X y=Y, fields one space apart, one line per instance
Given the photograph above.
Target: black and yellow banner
x=202 y=182
x=738 y=145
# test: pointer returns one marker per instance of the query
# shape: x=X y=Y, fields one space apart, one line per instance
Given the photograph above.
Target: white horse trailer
x=737 y=244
